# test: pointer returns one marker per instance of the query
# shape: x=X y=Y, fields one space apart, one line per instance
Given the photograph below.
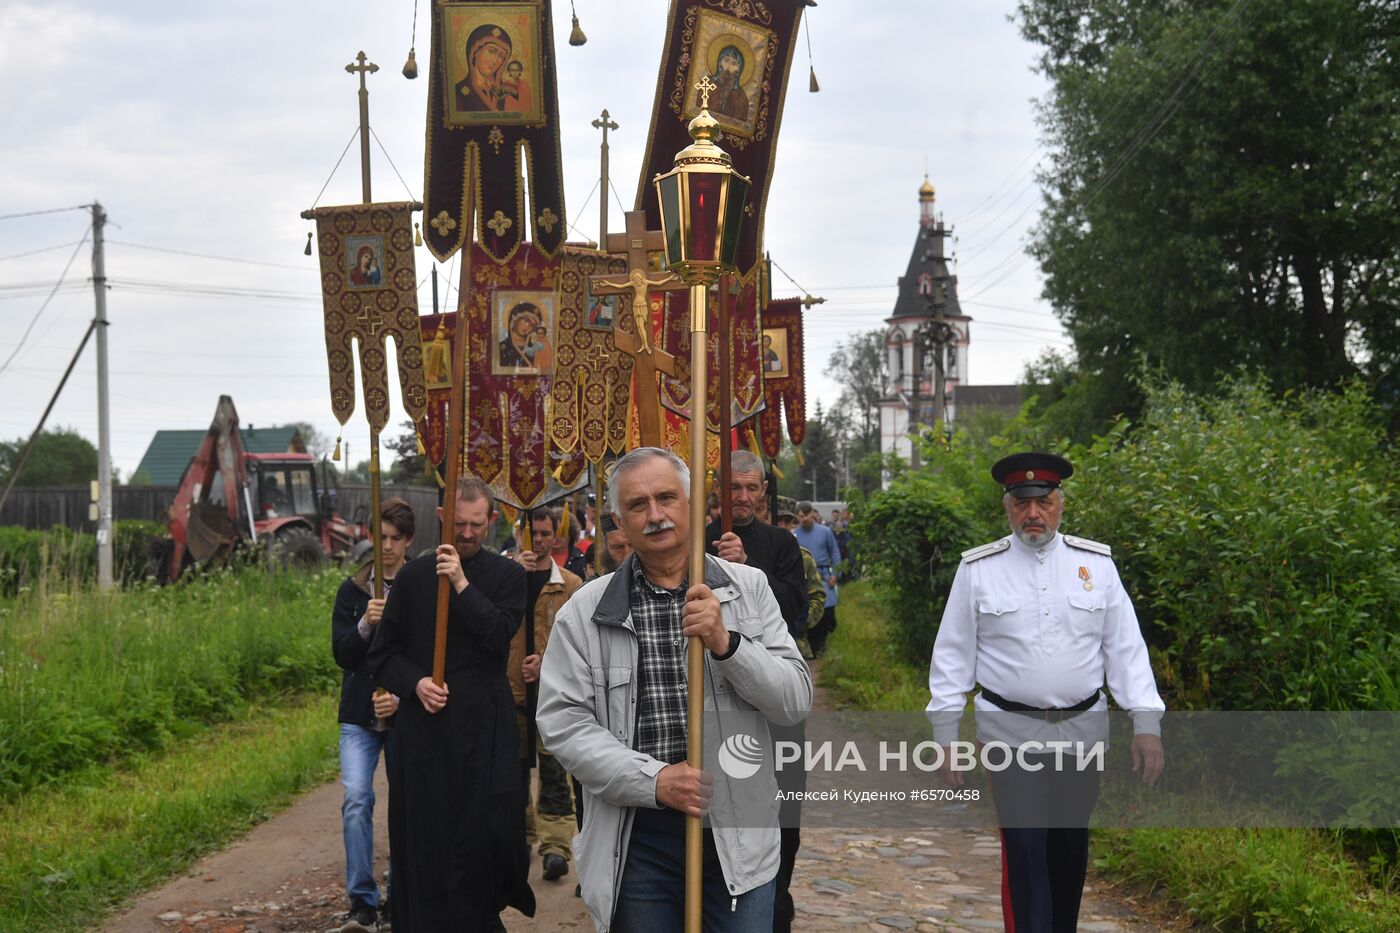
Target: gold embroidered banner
x=492 y=118
x=592 y=386
x=370 y=295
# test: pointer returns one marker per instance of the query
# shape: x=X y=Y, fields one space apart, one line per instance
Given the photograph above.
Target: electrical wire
x=52 y=210
x=37 y=314
x=182 y=252
x=35 y=252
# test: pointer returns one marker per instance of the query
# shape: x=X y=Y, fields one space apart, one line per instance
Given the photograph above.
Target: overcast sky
x=207 y=127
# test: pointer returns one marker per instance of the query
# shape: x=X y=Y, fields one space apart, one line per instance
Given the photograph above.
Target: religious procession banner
x=592 y=387
x=492 y=120
x=783 y=377
x=370 y=295
x=745 y=48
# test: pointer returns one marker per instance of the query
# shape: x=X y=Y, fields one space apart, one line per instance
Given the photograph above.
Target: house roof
x=171 y=451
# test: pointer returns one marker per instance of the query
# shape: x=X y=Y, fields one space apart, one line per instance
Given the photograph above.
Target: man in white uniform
x=1040 y=620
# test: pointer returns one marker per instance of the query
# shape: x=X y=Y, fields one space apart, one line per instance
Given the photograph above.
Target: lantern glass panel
x=736 y=197
x=669 y=192
x=706 y=189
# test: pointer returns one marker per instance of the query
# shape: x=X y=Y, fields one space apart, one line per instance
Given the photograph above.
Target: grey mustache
x=657 y=527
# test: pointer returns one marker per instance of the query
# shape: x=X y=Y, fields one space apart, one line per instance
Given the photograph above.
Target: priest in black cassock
x=456 y=806
x=759 y=544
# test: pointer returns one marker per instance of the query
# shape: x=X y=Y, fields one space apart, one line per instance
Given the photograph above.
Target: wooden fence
x=46 y=506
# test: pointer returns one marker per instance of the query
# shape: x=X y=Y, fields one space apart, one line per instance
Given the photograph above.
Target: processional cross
x=648 y=359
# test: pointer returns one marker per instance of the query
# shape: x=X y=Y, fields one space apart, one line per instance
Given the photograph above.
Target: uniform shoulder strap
x=986 y=550
x=1084 y=544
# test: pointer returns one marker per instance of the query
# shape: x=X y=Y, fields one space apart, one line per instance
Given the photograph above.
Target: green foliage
x=93 y=677
x=71 y=854
x=1273 y=881
x=410 y=467
x=1258 y=537
x=1221 y=190
x=27 y=556
x=910 y=536
x=60 y=457
x=861 y=666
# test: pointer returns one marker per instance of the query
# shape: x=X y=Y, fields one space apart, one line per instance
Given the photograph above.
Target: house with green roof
x=171 y=451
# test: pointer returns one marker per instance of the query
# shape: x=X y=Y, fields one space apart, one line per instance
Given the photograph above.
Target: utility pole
x=603 y=123
x=104 y=427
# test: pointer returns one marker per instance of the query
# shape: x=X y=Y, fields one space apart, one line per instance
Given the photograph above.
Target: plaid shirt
x=656 y=614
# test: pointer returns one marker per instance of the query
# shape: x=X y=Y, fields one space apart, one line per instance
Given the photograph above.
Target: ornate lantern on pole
x=702 y=202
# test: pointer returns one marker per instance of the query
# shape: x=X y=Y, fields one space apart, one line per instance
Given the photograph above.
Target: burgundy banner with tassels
x=492 y=117
x=783 y=375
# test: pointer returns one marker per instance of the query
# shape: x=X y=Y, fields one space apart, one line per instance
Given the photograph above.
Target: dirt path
x=289 y=875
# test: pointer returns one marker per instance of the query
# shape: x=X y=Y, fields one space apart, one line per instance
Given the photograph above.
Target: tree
x=818 y=474
x=60 y=457
x=1222 y=189
x=859 y=364
x=410 y=466
x=317 y=444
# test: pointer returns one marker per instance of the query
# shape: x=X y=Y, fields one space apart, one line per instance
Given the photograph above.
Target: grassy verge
x=70 y=854
x=99 y=678
x=1291 y=881
x=860 y=668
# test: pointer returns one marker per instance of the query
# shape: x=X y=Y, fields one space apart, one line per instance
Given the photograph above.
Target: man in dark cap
x=1041 y=620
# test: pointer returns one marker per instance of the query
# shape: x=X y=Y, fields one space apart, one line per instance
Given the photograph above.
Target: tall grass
x=91 y=678
x=70 y=854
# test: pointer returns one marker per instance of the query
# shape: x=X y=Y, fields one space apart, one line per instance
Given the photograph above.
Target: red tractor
x=228 y=496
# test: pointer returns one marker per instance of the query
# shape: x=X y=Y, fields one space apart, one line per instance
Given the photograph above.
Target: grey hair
x=746 y=461
x=635 y=458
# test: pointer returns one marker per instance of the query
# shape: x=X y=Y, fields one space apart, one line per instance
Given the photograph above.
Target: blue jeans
x=359 y=756
x=651 y=898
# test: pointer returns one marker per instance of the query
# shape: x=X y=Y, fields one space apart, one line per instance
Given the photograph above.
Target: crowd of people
x=557 y=726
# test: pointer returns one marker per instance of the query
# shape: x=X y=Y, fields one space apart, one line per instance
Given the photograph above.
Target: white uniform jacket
x=1046 y=627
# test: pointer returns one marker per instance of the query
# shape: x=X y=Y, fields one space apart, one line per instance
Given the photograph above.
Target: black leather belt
x=1057 y=714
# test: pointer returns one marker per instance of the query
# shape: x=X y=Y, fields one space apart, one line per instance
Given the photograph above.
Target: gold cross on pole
x=649 y=360
x=364 y=67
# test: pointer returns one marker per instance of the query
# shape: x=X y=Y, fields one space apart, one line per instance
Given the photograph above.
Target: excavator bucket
x=209 y=534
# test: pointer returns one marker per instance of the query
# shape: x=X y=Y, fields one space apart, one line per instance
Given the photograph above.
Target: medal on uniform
x=1084 y=575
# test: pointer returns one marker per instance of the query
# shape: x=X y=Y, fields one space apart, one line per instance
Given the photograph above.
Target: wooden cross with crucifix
x=648 y=359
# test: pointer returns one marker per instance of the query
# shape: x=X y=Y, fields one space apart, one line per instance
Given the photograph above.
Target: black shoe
x=555 y=867
x=361 y=919
x=578 y=890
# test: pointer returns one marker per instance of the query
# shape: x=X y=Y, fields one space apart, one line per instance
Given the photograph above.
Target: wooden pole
x=695 y=649
x=726 y=402
x=455 y=417
x=376 y=524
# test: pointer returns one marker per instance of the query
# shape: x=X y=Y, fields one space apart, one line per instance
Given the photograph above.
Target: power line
x=35 y=252
x=181 y=252
x=52 y=210
x=37 y=314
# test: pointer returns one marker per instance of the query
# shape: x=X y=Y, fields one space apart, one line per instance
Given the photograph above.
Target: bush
x=26 y=556
x=94 y=677
x=910 y=538
x=1258 y=537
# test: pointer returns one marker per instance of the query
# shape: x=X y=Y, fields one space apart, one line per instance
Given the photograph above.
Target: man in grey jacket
x=612 y=710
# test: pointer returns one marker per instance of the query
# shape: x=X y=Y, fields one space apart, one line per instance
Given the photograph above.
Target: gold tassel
x=564 y=525
x=417 y=232
x=576 y=36
x=752 y=440
x=801 y=460
x=336 y=456
x=777 y=473
x=527 y=540
x=422 y=451
x=436 y=370
x=307 y=251
x=812 y=85
x=410 y=71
